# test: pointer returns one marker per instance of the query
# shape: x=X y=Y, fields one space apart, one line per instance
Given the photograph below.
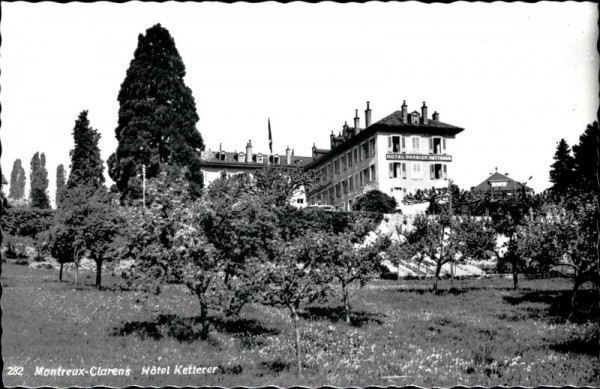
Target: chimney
x=356 y=121
x=404 y=112
x=314 y=151
x=288 y=155
x=332 y=139
x=436 y=116
x=424 y=113
x=368 y=116
x=249 y=151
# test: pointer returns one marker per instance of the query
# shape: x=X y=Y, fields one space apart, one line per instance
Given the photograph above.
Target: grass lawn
x=477 y=332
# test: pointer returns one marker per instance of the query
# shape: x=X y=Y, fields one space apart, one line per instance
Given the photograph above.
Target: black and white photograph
x=283 y=194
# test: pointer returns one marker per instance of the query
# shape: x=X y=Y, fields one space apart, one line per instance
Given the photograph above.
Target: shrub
x=26 y=221
x=375 y=201
x=295 y=222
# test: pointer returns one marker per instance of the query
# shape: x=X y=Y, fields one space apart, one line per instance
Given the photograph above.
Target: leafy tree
x=241 y=223
x=169 y=243
x=296 y=278
x=562 y=170
x=562 y=237
x=476 y=238
x=102 y=230
x=282 y=184
x=26 y=221
x=87 y=222
x=86 y=218
x=60 y=183
x=67 y=238
x=39 y=182
x=348 y=259
x=507 y=212
x=157 y=117
x=451 y=200
x=86 y=168
x=438 y=241
x=585 y=160
x=375 y=201
x=408 y=248
x=17 y=181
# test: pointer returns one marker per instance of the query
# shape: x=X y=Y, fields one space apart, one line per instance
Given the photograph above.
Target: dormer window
x=221 y=156
x=259 y=158
x=241 y=157
x=276 y=159
x=414 y=118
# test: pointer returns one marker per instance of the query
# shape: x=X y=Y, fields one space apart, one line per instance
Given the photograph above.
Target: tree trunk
x=438 y=268
x=451 y=273
x=297 y=331
x=204 y=320
x=515 y=272
x=76 y=273
x=346 y=303
x=576 y=286
x=60 y=274
x=98 y=273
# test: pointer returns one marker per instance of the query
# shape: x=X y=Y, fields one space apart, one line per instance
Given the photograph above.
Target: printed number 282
x=15 y=370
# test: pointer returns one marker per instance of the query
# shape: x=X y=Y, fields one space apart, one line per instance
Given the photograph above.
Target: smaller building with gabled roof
x=501 y=183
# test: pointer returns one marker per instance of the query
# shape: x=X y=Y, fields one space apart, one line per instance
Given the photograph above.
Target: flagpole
x=270 y=142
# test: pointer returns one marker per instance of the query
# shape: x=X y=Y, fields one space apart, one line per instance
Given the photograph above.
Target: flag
x=270 y=137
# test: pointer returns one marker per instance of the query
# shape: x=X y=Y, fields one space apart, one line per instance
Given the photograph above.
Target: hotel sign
x=419 y=157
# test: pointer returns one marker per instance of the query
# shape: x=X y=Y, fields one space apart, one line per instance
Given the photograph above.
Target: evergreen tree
x=561 y=171
x=17 y=181
x=157 y=117
x=60 y=183
x=87 y=218
x=39 y=182
x=86 y=164
x=585 y=160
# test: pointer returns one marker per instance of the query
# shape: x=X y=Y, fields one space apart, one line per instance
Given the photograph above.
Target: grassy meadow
x=475 y=332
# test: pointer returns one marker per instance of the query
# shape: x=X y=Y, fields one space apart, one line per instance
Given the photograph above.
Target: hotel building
x=399 y=154
x=216 y=164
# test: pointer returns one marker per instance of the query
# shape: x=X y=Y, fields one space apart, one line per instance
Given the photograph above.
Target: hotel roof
x=230 y=159
x=393 y=124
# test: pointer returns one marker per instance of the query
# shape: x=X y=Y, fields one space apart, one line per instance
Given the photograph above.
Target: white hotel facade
x=399 y=154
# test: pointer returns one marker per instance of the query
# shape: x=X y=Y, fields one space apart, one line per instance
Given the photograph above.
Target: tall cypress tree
x=17 y=181
x=86 y=167
x=585 y=160
x=60 y=183
x=39 y=182
x=157 y=117
x=561 y=171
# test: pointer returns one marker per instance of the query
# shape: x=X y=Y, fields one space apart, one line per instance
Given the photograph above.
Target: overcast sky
x=518 y=77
